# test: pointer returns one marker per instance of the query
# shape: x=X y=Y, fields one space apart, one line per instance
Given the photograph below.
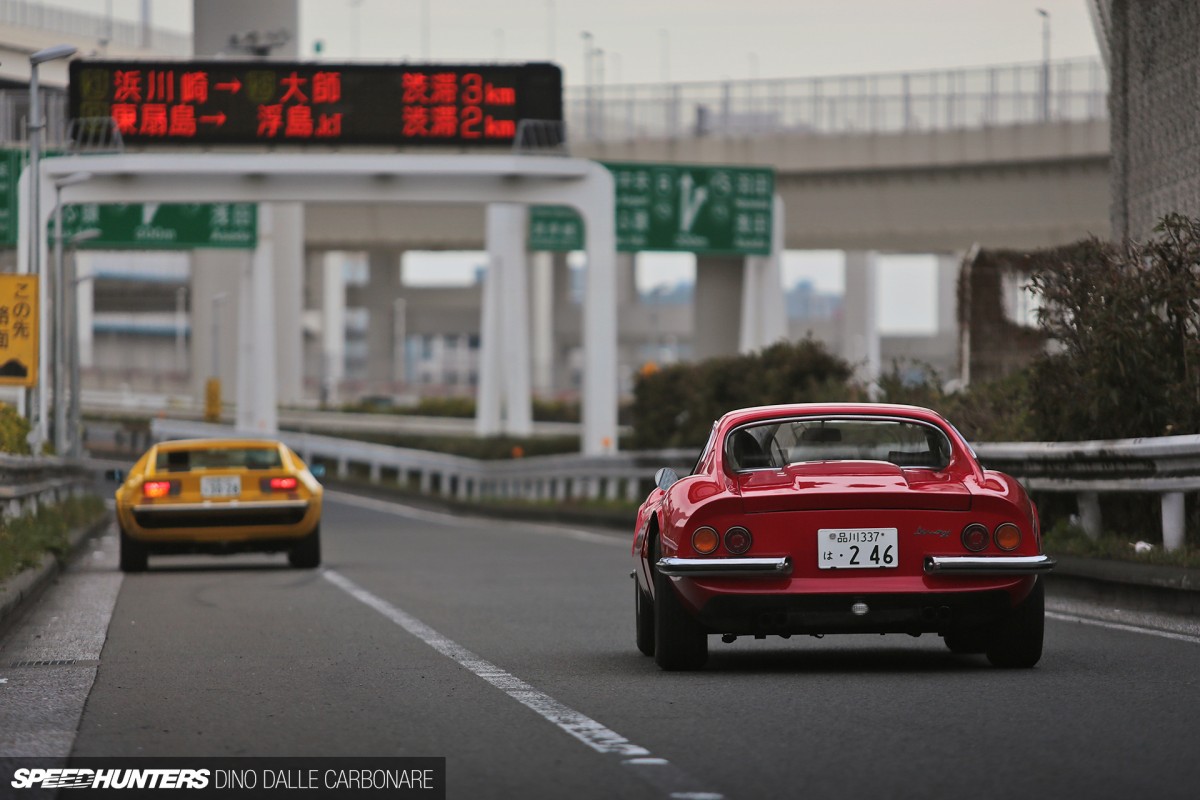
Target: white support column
x=764 y=311
x=506 y=227
x=507 y=294
x=542 y=315
x=599 y=409
x=948 y=267
x=333 y=327
x=85 y=309
x=860 y=332
x=287 y=220
x=717 y=305
x=491 y=348
x=256 y=410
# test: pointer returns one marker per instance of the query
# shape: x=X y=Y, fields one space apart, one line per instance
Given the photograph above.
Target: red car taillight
x=975 y=537
x=737 y=540
x=154 y=489
x=286 y=484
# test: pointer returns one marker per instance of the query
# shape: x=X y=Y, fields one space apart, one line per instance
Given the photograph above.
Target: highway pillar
x=948 y=267
x=503 y=403
x=85 y=309
x=288 y=223
x=717 y=306
x=860 y=321
x=383 y=287
x=333 y=327
x=764 y=310
x=257 y=378
x=541 y=274
x=215 y=300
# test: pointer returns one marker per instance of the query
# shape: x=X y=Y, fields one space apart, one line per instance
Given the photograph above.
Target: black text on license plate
x=858 y=548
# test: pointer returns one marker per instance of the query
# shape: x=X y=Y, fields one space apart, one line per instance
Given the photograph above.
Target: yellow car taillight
x=153 y=489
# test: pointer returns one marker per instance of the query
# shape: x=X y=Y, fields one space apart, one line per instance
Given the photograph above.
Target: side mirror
x=665 y=477
x=115 y=475
x=317 y=470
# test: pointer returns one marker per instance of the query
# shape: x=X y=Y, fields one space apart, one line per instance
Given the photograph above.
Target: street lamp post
x=1045 y=64
x=589 y=113
x=59 y=323
x=36 y=126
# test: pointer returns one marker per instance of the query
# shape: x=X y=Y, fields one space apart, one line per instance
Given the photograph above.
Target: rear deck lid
x=831 y=485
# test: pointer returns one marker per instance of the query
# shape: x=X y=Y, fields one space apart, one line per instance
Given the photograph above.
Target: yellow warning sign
x=18 y=330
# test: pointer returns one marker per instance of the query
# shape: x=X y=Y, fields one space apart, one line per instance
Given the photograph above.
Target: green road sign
x=708 y=210
x=163 y=226
x=11 y=162
x=135 y=226
x=555 y=228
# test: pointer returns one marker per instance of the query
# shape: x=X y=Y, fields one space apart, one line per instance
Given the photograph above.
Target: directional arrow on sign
x=233 y=86
x=214 y=119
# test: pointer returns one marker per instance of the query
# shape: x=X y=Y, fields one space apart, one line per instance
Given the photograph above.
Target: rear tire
x=680 y=643
x=134 y=557
x=643 y=610
x=307 y=554
x=1016 y=642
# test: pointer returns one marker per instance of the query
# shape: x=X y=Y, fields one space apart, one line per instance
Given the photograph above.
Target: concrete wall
x=1154 y=68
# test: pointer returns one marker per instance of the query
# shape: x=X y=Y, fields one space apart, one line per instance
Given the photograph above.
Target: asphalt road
x=508 y=649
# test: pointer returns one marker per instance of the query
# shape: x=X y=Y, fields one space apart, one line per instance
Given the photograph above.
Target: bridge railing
x=40 y=15
x=1168 y=466
x=977 y=97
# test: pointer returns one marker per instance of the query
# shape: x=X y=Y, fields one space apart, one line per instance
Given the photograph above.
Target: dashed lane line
x=659 y=772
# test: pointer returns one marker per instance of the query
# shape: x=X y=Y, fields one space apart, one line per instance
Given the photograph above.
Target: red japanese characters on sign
x=227 y=102
x=162 y=103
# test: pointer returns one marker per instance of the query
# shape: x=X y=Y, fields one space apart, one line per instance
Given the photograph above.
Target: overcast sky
x=684 y=39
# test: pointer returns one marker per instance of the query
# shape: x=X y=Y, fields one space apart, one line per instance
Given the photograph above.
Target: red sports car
x=840 y=518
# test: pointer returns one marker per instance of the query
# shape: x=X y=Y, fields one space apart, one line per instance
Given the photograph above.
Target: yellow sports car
x=219 y=496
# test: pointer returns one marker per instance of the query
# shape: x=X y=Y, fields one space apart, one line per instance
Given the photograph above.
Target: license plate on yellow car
x=220 y=486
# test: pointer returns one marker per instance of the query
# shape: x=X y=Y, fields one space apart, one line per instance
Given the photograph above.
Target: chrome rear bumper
x=988 y=565
x=725 y=567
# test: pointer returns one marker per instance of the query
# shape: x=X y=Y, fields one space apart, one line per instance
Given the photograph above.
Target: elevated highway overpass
x=929 y=162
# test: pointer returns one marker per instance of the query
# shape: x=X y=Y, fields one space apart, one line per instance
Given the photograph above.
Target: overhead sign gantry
x=221 y=102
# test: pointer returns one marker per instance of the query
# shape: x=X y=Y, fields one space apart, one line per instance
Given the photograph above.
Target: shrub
x=13 y=431
x=676 y=405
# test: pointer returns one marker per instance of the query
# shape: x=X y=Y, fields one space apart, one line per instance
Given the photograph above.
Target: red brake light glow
x=156 y=488
x=282 y=484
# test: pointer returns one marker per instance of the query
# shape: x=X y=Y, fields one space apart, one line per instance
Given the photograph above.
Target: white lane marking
x=442 y=518
x=587 y=730
x=1119 y=626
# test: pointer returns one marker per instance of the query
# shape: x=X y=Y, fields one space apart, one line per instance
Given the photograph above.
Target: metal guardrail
x=562 y=477
x=26 y=483
x=977 y=97
x=1168 y=466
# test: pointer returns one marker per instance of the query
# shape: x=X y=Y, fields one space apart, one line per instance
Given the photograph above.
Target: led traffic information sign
x=293 y=103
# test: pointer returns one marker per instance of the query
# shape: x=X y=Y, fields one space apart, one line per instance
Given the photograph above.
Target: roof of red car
x=756 y=413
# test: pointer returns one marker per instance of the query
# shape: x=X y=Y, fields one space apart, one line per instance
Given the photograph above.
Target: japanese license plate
x=857 y=548
x=220 y=486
